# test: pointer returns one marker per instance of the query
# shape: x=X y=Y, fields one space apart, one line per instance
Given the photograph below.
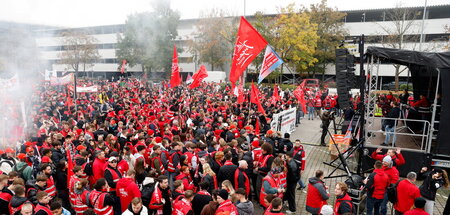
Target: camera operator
x=326 y=118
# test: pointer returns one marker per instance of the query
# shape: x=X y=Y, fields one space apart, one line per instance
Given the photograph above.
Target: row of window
x=415 y=38
x=116 y=61
x=440 y=12
x=110 y=29
x=63 y=48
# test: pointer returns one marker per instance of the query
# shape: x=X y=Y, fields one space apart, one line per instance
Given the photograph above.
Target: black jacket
x=210 y=180
x=293 y=174
x=430 y=186
x=17 y=201
x=57 y=155
x=199 y=201
x=394 y=113
x=226 y=172
x=285 y=146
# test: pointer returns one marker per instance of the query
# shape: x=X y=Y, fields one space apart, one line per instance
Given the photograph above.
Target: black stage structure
x=430 y=76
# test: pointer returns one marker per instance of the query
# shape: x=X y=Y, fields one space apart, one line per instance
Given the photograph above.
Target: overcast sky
x=78 y=13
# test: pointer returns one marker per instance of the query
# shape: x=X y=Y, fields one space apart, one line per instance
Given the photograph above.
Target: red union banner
x=249 y=44
x=175 y=78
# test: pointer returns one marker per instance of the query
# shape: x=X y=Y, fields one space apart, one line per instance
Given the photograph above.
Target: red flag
x=198 y=77
x=276 y=95
x=249 y=44
x=69 y=166
x=124 y=63
x=254 y=98
x=254 y=94
x=300 y=95
x=175 y=78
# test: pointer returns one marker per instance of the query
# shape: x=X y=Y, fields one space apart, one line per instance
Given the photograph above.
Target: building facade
x=375 y=24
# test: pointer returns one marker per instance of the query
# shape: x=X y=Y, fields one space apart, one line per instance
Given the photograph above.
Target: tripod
x=342 y=159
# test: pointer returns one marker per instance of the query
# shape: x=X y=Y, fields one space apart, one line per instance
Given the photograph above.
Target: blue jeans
x=310 y=113
x=383 y=206
x=301 y=183
x=373 y=206
x=390 y=132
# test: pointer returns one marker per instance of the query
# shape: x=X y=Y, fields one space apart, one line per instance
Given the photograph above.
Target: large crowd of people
x=136 y=148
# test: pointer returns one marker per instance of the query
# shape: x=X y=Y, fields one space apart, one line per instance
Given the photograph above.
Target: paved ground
x=309 y=133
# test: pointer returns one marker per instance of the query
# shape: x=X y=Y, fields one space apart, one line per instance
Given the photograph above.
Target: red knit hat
x=21 y=156
x=45 y=159
x=29 y=149
x=158 y=139
x=255 y=143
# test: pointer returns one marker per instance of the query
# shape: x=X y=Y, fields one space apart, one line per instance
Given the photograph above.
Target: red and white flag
x=198 y=77
x=175 y=78
x=249 y=44
x=124 y=64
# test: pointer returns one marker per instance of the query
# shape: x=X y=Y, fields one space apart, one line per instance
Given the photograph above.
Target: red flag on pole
x=69 y=166
x=249 y=44
x=254 y=98
x=198 y=77
x=300 y=95
x=276 y=95
x=124 y=64
x=175 y=78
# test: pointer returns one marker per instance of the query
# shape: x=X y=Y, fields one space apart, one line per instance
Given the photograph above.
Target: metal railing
x=398 y=131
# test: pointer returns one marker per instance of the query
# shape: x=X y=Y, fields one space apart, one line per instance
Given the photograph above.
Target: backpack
x=20 y=171
x=392 y=192
x=147 y=192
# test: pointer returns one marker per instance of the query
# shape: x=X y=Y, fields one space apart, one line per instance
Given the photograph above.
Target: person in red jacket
x=393 y=175
x=396 y=155
x=42 y=207
x=376 y=185
x=317 y=195
x=407 y=192
x=112 y=174
x=225 y=205
x=127 y=189
x=419 y=207
x=343 y=202
x=160 y=201
x=185 y=176
x=98 y=167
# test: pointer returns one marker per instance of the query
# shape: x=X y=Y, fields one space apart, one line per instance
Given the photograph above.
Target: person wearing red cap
x=8 y=162
x=22 y=167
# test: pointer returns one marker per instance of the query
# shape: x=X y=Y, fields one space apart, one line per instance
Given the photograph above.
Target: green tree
x=331 y=32
x=295 y=38
x=212 y=43
x=149 y=38
x=80 y=50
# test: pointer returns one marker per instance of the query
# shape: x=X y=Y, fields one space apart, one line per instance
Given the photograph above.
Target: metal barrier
x=424 y=136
